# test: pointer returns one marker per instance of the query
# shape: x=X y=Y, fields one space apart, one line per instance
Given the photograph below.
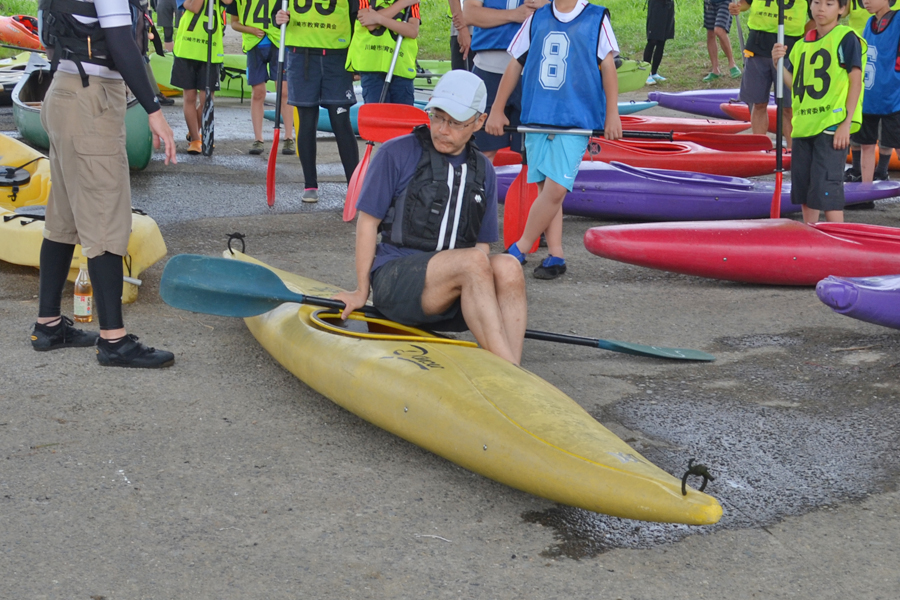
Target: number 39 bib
x=821 y=84
x=319 y=24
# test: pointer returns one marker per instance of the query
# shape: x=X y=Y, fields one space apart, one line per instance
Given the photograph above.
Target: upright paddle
x=276 y=134
x=208 y=128
x=359 y=173
x=775 y=211
x=232 y=288
x=741 y=37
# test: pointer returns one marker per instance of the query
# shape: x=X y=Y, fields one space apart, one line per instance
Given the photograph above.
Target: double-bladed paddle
x=276 y=134
x=232 y=288
x=208 y=128
x=359 y=173
x=775 y=210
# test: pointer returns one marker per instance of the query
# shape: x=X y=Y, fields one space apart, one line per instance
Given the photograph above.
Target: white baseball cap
x=460 y=94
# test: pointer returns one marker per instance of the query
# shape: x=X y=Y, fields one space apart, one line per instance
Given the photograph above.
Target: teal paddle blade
x=220 y=286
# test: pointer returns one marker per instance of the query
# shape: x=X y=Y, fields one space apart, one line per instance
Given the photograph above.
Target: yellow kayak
x=21 y=238
x=472 y=408
x=14 y=154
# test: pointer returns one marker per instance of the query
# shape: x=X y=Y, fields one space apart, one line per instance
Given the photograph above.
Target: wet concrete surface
x=226 y=477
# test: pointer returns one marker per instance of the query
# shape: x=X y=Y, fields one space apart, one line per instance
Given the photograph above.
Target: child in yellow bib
x=372 y=49
x=824 y=72
x=189 y=67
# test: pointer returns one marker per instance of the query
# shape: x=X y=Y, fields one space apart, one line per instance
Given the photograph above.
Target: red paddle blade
x=270 y=169
x=355 y=185
x=775 y=211
x=727 y=142
x=383 y=122
x=519 y=198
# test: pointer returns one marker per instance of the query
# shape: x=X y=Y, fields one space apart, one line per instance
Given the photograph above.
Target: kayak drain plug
x=699 y=470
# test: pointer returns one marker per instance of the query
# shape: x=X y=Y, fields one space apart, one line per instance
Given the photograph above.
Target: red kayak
x=20 y=31
x=769 y=251
x=634 y=123
x=741 y=112
x=678 y=156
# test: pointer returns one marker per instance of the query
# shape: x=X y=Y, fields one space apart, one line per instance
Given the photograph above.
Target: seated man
x=433 y=197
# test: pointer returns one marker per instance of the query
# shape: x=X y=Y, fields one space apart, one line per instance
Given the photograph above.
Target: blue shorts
x=317 y=77
x=262 y=63
x=484 y=140
x=557 y=157
x=400 y=91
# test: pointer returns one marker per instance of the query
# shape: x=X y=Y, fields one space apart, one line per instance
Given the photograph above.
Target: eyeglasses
x=438 y=121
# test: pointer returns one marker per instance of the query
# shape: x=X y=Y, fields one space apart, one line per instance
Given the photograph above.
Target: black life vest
x=434 y=212
x=67 y=38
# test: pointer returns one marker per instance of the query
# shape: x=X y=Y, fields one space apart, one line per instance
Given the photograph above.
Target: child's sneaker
x=195 y=147
x=61 y=335
x=310 y=195
x=852 y=176
x=551 y=268
x=514 y=251
x=659 y=77
x=129 y=352
x=711 y=77
x=650 y=80
x=257 y=147
x=288 y=147
x=735 y=72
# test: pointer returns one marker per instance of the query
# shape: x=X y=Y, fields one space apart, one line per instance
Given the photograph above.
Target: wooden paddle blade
x=355 y=185
x=727 y=142
x=270 y=168
x=383 y=122
x=775 y=211
x=519 y=198
x=220 y=286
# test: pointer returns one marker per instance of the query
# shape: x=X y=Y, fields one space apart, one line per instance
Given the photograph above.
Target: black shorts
x=317 y=79
x=881 y=129
x=397 y=292
x=817 y=173
x=190 y=74
x=487 y=142
x=759 y=80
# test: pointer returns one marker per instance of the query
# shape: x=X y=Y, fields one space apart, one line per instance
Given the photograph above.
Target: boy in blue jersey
x=562 y=87
x=881 y=98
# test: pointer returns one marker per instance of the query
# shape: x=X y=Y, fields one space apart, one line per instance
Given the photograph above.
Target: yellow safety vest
x=372 y=51
x=319 y=24
x=821 y=84
x=193 y=39
x=258 y=13
x=764 y=16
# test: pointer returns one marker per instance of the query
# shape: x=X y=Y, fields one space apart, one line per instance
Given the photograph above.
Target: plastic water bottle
x=84 y=295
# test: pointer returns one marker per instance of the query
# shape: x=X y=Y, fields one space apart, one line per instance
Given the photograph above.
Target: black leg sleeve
x=657 y=56
x=56 y=259
x=346 y=139
x=648 y=50
x=106 y=278
x=306 y=144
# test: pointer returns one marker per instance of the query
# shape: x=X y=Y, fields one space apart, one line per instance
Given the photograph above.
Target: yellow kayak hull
x=14 y=153
x=478 y=411
x=21 y=239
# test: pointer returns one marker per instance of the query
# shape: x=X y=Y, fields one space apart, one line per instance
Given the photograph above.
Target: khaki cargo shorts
x=90 y=200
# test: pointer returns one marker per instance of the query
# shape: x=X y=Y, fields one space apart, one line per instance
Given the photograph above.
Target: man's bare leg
x=510 y=286
x=468 y=274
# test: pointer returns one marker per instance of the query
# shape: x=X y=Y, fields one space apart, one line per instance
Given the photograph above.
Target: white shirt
x=522 y=42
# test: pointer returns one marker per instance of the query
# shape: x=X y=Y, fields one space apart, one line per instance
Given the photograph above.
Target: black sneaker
x=852 y=176
x=550 y=268
x=164 y=100
x=129 y=352
x=63 y=335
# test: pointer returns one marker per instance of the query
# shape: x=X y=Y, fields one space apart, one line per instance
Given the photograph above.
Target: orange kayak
x=20 y=31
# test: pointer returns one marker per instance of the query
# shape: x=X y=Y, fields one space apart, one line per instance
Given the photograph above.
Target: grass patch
x=685 y=61
x=18 y=7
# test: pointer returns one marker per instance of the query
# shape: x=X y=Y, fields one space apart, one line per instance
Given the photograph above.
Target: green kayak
x=28 y=96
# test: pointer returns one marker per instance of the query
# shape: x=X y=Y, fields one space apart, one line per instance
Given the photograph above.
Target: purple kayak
x=617 y=191
x=871 y=299
x=699 y=102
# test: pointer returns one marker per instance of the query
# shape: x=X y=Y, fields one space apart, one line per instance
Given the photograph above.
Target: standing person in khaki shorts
x=90 y=201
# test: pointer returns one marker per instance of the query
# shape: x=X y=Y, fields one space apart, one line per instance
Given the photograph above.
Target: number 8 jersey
x=821 y=83
x=561 y=82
